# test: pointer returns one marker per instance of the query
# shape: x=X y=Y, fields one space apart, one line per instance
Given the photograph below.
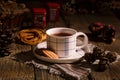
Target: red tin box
x=39 y=17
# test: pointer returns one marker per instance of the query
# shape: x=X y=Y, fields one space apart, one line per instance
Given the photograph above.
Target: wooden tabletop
x=11 y=69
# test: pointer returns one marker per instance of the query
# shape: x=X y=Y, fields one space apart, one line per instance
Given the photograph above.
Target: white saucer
x=73 y=57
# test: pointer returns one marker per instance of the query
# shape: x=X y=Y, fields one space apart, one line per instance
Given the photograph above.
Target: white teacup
x=63 y=41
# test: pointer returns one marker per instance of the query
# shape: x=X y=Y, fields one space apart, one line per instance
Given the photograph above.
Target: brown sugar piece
x=46 y=53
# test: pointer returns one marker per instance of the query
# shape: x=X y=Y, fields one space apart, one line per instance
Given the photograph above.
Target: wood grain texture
x=12 y=70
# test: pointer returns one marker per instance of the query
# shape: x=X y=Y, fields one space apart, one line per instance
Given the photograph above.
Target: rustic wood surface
x=11 y=69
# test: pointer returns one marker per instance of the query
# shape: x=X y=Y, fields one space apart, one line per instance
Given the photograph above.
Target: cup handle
x=85 y=41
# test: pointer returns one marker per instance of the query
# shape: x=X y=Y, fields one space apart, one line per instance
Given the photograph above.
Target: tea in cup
x=63 y=41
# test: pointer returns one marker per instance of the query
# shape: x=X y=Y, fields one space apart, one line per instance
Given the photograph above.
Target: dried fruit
x=111 y=56
x=104 y=58
x=103 y=31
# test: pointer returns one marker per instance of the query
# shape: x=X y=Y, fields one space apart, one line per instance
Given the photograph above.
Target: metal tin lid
x=39 y=10
x=53 y=5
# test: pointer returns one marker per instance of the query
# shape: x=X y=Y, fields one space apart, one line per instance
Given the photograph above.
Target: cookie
x=47 y=53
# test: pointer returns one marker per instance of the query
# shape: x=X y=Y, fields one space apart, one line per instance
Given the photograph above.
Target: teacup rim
x=61 y=28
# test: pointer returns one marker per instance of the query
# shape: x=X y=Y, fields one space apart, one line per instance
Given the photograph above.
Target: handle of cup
x=85 y=40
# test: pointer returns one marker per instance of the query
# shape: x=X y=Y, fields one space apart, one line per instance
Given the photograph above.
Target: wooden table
x=11 y=69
